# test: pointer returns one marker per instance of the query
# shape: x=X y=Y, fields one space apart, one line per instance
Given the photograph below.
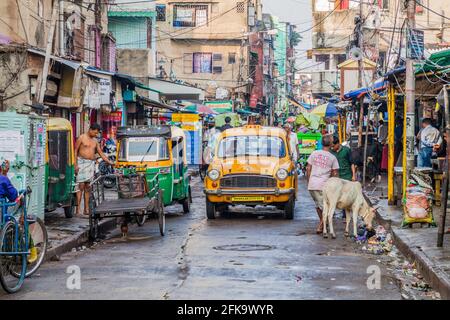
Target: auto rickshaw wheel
x=161 y=215
x=210 y=210
x=68 y=211
x=289 y=209
x=187 y=202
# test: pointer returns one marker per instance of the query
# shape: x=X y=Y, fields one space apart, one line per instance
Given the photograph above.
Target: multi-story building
x=334 y=24
x=80 y=38
x=205 y=43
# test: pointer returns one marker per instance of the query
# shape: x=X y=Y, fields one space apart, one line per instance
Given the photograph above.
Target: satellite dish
x=355 y=54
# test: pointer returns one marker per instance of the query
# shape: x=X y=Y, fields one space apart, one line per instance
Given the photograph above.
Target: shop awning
x=436 y=62
x=129 y=80
x=175 y=91
x=156 y=104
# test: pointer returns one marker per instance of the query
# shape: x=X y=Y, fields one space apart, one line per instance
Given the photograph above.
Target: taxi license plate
x=244 y=199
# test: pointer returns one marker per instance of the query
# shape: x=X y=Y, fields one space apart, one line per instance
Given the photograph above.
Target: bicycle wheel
x=13 y=266
x=39 y=238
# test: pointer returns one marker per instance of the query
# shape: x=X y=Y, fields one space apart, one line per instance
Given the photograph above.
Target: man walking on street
x=430 y=138
x=322 y=165
x=86 y=148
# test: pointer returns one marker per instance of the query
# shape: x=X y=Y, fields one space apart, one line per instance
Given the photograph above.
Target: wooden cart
x=134 y=201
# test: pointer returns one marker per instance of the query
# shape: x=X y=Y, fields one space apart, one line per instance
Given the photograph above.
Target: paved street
x=241 y=256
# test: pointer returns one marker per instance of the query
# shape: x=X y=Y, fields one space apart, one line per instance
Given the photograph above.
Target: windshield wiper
x=148 y=151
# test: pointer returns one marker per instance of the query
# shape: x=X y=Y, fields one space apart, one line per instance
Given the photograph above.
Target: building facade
x=332 y=36
x=80 y=39
x=207 y=44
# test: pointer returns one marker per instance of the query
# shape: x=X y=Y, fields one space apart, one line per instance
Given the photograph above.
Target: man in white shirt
x=430 y=138
x=293 y=142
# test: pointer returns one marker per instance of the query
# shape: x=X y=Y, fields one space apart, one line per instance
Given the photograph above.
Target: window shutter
x=187 y=63
x=217 y=63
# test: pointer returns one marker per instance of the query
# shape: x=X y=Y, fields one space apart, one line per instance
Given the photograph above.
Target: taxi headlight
x=214 y=174
x=282 y=174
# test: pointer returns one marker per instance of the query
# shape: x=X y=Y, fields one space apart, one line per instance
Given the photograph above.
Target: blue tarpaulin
x=358 y=93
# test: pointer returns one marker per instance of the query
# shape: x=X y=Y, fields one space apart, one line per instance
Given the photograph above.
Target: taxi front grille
x=248 y=181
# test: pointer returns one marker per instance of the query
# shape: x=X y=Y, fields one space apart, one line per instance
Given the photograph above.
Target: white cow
x=343 y=194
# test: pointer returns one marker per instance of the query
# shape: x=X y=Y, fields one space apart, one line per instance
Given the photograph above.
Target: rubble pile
x=375 y=242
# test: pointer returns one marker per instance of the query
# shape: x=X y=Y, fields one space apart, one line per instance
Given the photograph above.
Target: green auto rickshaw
x=60 y=167
x=159 y=152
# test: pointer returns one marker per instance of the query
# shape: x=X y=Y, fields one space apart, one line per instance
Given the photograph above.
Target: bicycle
x=20 y=236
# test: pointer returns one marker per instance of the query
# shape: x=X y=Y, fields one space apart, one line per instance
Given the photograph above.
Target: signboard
x=415 y=44
x=192 y=127
x=185 y=117
x=220 y=106
x=104 y=88
x=11 y=145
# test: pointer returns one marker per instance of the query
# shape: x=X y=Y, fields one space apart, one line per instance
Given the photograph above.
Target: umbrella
x=326 y=110
x=200 y=108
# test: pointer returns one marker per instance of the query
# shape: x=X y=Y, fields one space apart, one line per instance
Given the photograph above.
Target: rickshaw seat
x=121 y=205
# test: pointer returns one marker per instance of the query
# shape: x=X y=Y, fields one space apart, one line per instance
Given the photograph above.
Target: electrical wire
x=431 y=10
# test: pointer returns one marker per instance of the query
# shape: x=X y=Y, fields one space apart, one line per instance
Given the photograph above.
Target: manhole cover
x=243 y=247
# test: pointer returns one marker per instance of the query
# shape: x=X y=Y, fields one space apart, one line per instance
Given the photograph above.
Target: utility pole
x=410 y=94
x=48 y=52
x=62 y=45
x=360 y=39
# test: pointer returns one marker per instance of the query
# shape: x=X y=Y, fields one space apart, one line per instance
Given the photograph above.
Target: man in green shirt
x=347 y=170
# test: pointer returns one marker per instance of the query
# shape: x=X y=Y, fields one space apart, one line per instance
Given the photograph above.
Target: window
x=231 y=58
x=265 y=146
x=240 y=7
x=217 y=57
x=217 y=69
x=187 y=63
x=202 y=62
x=339 y=58
x=190 y=15
x=325 y=58
x=160 y=12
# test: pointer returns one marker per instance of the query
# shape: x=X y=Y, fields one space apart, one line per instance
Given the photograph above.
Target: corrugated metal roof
x=72 y=64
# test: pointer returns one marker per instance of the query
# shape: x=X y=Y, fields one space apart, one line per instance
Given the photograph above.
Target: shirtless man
x=85 y=149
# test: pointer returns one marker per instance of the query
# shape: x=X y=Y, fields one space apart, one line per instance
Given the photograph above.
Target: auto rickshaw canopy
x=144 y=131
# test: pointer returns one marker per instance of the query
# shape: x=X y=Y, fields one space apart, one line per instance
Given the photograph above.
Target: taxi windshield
x=237 y=146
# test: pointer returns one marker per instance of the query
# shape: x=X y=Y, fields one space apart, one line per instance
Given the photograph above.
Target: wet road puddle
x=244 y=247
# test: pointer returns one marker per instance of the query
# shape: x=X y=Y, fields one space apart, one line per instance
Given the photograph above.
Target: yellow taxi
x=252 y=166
